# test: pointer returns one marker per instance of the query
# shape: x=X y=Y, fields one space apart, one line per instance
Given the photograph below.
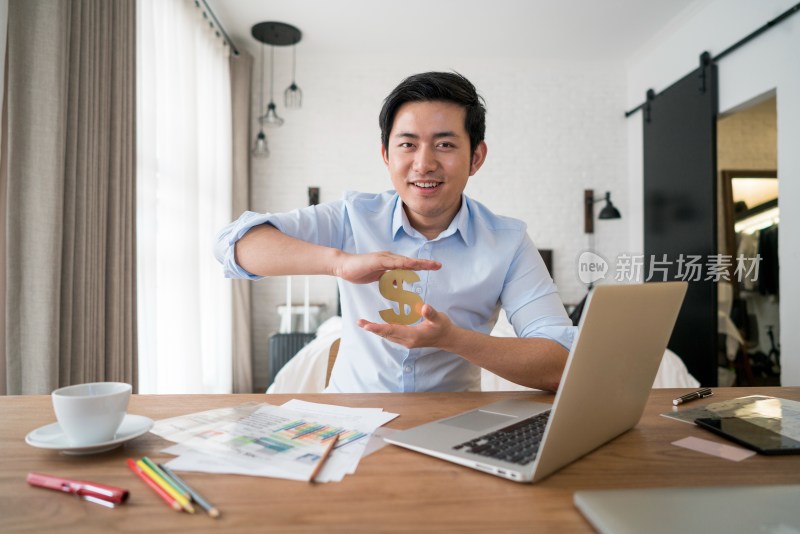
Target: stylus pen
x=699 y=394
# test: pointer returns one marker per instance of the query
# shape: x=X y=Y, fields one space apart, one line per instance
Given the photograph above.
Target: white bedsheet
x=305 y=372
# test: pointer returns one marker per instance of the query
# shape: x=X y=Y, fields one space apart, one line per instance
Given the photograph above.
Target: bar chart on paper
x=276 y=441
x=316 y=432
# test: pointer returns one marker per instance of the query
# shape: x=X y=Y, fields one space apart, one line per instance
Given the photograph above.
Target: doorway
x=748 y=224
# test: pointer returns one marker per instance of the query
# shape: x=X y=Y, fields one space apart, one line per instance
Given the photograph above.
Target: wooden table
x=394 y=489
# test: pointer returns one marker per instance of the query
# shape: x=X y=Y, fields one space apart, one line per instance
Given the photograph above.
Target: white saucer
x=52 y=437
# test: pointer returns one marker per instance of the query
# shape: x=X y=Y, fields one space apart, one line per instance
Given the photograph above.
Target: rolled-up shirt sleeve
x=531 y=301
x=322 y=225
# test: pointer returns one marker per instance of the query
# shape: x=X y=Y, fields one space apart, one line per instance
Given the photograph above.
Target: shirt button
x=427 y=246
x=407 y=369
x=418 y=289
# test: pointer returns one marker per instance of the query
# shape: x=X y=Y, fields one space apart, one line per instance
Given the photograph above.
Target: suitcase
x=283 y=346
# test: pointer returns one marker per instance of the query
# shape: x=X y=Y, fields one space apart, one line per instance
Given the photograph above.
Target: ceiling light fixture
x=271 y=118
x=293 y=95
x=275 y=34
x=260 y=148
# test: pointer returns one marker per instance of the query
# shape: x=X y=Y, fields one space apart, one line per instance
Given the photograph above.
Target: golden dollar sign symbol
x=391 y=287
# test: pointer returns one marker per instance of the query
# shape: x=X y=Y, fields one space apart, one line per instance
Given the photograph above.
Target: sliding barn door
x=680 y=209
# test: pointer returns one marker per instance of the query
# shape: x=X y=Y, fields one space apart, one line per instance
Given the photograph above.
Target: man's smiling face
x=429 y=162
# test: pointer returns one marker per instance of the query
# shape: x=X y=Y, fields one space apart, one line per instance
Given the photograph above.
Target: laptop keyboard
x=517 y=443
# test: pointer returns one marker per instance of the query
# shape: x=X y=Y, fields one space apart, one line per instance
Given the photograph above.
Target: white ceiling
x=541 y=29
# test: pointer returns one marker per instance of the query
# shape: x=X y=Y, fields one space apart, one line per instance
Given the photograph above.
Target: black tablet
x=750 y=435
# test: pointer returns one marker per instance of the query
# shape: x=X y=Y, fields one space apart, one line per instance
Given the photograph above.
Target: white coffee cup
x=91 y=413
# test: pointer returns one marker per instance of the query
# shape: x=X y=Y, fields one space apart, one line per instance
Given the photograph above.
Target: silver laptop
x=606 y=383
x=745 y=509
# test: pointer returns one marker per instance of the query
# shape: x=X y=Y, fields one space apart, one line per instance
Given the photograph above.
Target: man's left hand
x=433 y=331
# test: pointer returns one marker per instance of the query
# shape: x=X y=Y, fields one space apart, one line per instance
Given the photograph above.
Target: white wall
x=553 y=129
x=767 y=63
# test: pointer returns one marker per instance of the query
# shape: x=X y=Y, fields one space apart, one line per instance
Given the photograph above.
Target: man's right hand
x=368 y=268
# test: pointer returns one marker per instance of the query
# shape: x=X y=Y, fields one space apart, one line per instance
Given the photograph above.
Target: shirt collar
x=459 y=224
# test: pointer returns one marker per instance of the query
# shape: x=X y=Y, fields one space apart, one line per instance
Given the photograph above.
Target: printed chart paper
x=274 y=441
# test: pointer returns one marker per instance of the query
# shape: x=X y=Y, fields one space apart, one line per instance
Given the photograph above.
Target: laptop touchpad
x=478 y=420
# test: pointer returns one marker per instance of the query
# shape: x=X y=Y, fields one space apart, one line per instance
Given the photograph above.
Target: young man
x=470 y=261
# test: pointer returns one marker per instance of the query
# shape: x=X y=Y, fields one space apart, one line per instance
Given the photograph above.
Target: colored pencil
x=166 y=477
x=325 y=454
x=183 y=501
x=175 y=505
x=196 y=497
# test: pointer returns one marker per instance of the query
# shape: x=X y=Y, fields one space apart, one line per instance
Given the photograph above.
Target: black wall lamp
x=608 y=211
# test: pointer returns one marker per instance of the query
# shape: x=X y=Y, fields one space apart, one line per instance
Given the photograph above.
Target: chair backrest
x=332 y=352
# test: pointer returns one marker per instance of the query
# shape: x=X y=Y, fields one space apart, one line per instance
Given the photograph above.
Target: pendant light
x=275 y=34
x=293 y=95
x=260 y=148
x=271 y=118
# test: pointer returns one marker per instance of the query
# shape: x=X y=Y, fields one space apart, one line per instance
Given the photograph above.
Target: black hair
x=441 y=87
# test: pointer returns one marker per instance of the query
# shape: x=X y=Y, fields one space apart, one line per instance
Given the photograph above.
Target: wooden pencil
x=166 y=477
x=183 y=501
x=175 y=505
x=196 y=497
x=325 y=454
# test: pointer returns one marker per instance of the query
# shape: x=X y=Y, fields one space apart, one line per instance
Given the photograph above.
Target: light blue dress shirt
x=488 y=261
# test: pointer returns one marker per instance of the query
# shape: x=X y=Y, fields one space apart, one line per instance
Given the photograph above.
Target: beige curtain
x=3 y=210
x=70 y=299
x=241 y=69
